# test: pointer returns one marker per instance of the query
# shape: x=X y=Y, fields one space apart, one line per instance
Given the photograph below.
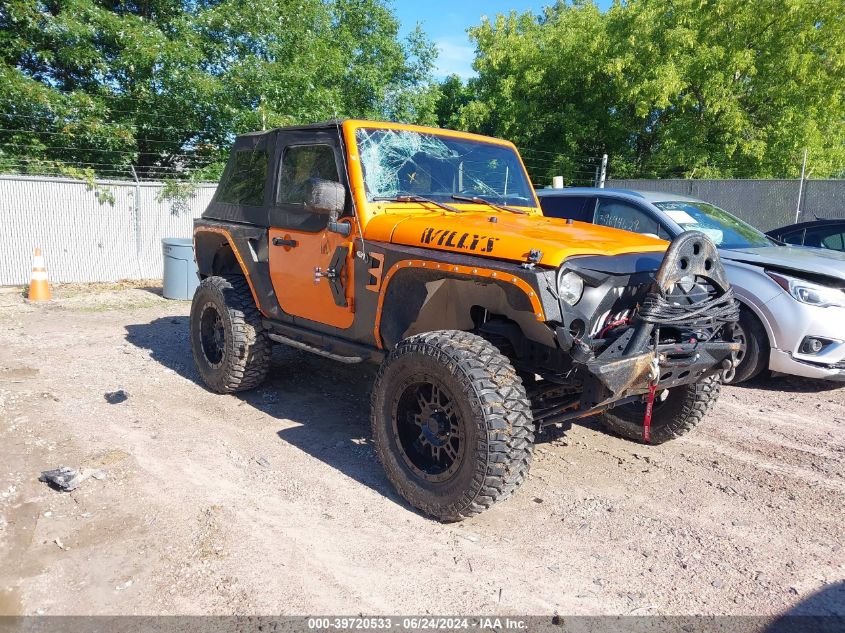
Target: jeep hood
x=503 y=235
x=797 y=258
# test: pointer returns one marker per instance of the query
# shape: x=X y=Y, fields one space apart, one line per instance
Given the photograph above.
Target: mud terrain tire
x=231 y=350
x=454 y=390
x=683 y=408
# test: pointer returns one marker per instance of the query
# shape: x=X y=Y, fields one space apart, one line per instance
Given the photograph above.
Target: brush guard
x=682 y=332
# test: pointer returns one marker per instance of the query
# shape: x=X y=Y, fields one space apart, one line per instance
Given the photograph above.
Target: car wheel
x=676 y=412
x=754 y=355
x=451 y=423
x=230 y=348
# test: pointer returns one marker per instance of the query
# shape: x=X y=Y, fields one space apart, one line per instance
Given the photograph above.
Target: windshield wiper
x=403 y=198
x=477 y=200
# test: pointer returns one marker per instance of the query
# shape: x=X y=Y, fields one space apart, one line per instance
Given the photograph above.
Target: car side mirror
x=325 y=197
x=343 y=228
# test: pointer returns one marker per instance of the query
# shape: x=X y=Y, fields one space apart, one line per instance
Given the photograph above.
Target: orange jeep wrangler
x=425 y=250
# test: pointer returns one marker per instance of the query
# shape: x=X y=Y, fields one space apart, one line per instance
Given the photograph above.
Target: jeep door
x=310 y=266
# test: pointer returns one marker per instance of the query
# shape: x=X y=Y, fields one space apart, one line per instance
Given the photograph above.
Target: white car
x=793 y=299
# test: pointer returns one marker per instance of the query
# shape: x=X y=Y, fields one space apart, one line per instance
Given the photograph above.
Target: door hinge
x=334 y=274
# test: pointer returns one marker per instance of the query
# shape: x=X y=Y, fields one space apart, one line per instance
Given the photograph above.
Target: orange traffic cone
x=39 y=289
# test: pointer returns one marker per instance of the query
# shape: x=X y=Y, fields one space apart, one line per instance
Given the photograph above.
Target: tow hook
x=729 y=368
x=654 y=378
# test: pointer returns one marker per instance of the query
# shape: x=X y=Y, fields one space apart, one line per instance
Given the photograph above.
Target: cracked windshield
x=400 y=163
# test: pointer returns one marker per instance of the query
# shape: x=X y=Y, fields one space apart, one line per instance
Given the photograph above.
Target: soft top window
x=245 y=178
x=302 y=163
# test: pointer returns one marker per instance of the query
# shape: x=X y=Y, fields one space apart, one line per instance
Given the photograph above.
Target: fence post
x=137 y=210
x=801 y=186
x=603 y=173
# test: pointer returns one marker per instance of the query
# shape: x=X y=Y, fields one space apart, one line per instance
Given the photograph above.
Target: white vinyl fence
x=84 y=240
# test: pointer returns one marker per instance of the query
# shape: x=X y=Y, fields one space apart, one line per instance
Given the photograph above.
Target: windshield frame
x=370 y=206
x=705 y=207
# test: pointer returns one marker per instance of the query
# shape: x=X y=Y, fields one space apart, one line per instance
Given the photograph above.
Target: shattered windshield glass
x=409 y=163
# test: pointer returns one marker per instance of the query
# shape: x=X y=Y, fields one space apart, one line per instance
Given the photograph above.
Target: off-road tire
x=496 y=417
x=756 y=356
x=683 y=408
x=246 y=349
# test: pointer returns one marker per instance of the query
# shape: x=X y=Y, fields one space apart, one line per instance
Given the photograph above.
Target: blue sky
x=446 y=22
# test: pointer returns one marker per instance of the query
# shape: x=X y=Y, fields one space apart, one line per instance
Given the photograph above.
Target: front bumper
x=792 y=322
x=671 y=339
x=784 y=363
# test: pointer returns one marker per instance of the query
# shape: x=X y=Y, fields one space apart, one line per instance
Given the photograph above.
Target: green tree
x=685 y=88
x=162 y=86
x=730 y=88
x=452 y=96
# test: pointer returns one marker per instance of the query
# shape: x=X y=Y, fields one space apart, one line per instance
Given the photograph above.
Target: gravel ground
x=273 y=502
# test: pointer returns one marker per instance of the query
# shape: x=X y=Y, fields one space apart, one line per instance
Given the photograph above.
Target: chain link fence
x=113 y=230
x=766 y=204
x=105 y=232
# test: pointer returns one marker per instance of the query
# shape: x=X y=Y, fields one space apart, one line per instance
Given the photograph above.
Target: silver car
x=793 y=298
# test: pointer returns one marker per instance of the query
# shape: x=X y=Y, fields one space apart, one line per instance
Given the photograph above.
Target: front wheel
x=451 y=423
x=676 y=411
x=754 y=356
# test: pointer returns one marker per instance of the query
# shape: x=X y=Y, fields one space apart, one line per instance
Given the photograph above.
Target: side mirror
x=343 y=228
x=325 y=197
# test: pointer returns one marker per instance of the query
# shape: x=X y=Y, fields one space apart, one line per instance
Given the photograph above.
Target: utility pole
x=263 y=113
x=603 y=172
x=801 y=186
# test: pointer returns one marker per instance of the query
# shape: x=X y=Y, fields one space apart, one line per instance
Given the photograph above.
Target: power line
x=51 y=105
x=38 y=132
x=117 y=124
x=111 y=151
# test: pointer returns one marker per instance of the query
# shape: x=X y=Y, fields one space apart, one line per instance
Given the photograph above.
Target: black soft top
x=255 y=157
x=249 y=139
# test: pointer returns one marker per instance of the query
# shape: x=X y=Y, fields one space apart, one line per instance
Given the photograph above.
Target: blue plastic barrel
x=180 y=270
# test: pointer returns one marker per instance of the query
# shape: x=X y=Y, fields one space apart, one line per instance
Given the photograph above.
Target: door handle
x=279 y=241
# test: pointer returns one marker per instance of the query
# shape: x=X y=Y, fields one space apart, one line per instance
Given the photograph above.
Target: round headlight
x=570 y=287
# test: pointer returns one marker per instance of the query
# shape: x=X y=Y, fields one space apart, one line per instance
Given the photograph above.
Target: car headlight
x=810 y=293
x=570 y=287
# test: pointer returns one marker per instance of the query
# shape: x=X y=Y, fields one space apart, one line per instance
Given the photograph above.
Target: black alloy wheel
x=429 y=430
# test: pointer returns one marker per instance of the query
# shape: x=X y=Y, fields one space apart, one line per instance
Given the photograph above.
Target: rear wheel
x=231 y=350
x=451 y=423
x=754 y=355
x=676 y=412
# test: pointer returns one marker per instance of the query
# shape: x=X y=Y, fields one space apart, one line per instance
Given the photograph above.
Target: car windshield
x=400 y=163
x=726 y=230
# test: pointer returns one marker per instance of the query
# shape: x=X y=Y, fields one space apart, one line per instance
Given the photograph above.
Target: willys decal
x=455 y=239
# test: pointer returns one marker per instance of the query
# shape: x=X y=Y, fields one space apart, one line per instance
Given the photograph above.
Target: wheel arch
x=215 y=254
x=417 y=300
x=761 y=317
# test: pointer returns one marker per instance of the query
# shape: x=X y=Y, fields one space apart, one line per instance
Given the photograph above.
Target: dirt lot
x=273 y=502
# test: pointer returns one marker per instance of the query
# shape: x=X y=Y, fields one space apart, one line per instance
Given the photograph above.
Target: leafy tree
x=452 y=95
x=162 y=86
x=685 y=88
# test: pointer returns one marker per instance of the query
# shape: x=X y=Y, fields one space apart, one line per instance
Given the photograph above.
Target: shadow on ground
x=822 y=612
x=790 y=384
x=328 y=401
